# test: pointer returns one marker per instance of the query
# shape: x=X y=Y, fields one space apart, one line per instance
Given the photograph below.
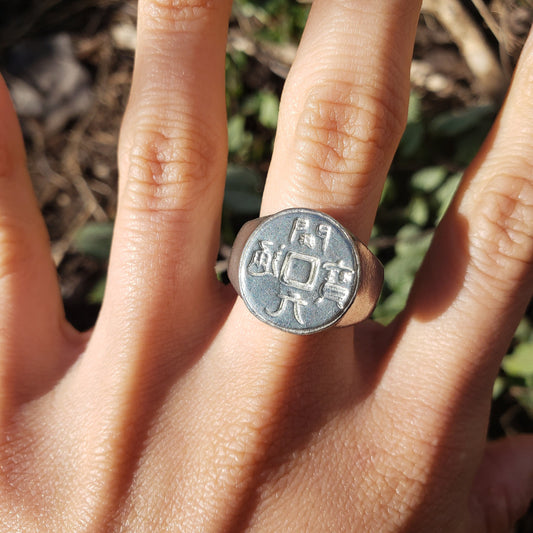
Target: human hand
x=182 y=412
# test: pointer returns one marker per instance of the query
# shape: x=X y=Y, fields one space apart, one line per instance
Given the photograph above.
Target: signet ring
x=302 y=272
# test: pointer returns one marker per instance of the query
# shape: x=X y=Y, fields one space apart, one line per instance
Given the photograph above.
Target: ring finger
x=343 y=110
x=341 y=117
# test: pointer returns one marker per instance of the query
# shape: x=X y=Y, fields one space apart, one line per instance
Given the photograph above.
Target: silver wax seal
x=299 y=271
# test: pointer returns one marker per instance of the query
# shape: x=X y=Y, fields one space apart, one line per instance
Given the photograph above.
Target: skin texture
x=180 y=411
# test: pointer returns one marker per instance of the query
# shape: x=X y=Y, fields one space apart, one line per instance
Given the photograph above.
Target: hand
x=181 y=411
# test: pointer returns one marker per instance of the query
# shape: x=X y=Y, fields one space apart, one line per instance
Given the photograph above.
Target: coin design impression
x=299 y=271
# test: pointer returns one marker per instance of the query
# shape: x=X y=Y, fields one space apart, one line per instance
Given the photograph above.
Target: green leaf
x=412 y=242
x=414 y=133
x=444 y=195
x=400 y=273
x=242 y=195
x=251 y=105
x=418 y=210
x=389 y=192
x=469 y=145
x=252 y=10
x=524 y=331
x=519 y=363
x=235 y=64
x=387 y=310
x=268 y=109
x=499 y=387
x=414 y=113
x=96 y=295
x=428 y=179
x=453 y=123
x=401 y=270
x=412 y=139
x=238 y=138
x=94 y=239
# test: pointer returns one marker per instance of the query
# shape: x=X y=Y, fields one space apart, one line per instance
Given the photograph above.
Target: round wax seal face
x=299 y=271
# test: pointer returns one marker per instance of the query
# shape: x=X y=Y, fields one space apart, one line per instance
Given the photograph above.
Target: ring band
x=300 y=271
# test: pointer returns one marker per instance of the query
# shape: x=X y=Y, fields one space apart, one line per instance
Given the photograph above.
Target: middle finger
x=172 y=158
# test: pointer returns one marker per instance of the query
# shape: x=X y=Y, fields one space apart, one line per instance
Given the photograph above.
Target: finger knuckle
x=502 y=232
x=344 y=133
x=168 y=173
x=175 y=12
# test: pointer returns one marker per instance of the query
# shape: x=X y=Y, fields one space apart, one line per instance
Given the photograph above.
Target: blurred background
x=69 y=64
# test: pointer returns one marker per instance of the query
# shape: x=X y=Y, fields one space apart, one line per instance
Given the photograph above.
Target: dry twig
x=489 y=19
x=470 y=41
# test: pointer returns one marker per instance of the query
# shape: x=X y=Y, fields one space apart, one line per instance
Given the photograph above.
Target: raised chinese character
x=324 y=232
x=337 y=285
x=307 y=239
x=296 y=301
x=265 y=261
x=299 y=226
